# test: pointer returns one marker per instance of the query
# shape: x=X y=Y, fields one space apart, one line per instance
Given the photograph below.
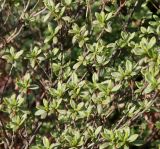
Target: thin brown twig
x=5 y=86
x=2 y=5
x=37 y=13
x=12 y=36
x=152 y=135
x=131 y=14
x=25 y=9
x=136 y=116
x=33 y=135
x=119 y=9
x=15 y=34
x=35 y=5
x=4 y=132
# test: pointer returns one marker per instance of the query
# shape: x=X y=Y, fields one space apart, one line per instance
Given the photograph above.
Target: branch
x=33 y=136
x=130 y=121
x=119 y=9
x=7 y=40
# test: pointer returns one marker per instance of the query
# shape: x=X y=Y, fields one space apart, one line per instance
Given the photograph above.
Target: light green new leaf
x=46 y=142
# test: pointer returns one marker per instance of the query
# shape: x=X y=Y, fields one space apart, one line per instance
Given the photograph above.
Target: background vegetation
x=79 y=74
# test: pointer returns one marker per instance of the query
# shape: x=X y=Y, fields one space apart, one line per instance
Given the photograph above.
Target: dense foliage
x=79 y=74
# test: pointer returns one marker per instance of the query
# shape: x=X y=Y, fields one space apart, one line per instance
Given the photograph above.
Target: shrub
x=79 y=74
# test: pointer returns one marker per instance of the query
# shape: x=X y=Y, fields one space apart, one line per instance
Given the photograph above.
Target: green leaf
x=104 y=146
x=116 y=74
x=109 y=15
x=74 y=39
x=151 y=42
x=95 y=77
x=128 y=66
x=74 y=78
x=131 y=36
x=126 y=147
x=12 y=50
x=81 y=43
x=33 y=87
x=132 y=138
x=55 y=51
x=98 y=130
x=67 y=18
x=45 y=103
x=46 y=142
x=54 y=145
x=116 y=87
x=68 y=2
x=99 y=108
x=157 y=125
x=55 y=40
x=57 y=29
x=99 y=17
x=40 y=112
x=77 y=65
x=48 y=38
x=139 y=51
x=150 y=78
x=80 y=105
x=18 y=54
x=46 y=17
x=73 y=104
x=148 y=89
x=50 y=29
x=143 y=29
x=138 y=143
x=108 y=28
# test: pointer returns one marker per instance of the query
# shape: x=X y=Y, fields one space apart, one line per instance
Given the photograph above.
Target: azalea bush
x=79 y=74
